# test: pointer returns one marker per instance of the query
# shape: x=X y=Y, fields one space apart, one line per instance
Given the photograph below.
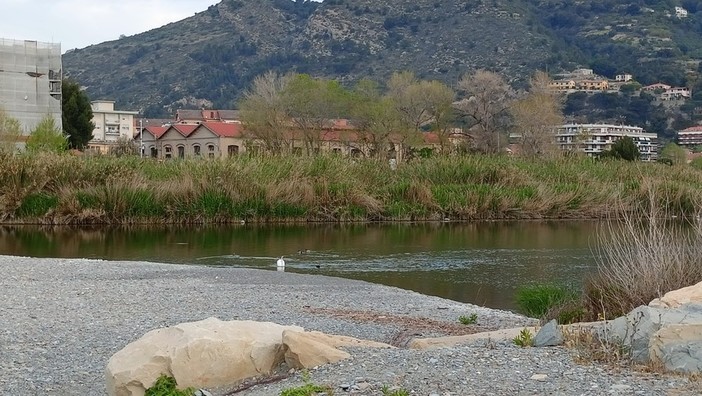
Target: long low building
x=594 y=139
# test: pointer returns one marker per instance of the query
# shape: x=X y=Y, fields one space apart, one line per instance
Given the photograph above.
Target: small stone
x=539 y=377
x=620 y=388
x=433 y=361
x=202 y=392
x=345 y=387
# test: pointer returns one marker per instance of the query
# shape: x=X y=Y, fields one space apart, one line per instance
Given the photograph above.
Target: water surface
x=481 y=263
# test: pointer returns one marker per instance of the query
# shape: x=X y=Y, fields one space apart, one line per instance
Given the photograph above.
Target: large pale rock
x=207 y=353
x=312 y=349
x=676 y=298
x=636 y=329
x=449 y=341
x=678 y=348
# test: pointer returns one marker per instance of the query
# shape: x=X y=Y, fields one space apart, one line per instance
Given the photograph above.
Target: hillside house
x=680 y=12
x=689 y=137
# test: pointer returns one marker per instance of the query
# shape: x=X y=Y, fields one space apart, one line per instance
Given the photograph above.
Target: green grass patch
x=538 y=300
x=167 y=386
x=37 y=205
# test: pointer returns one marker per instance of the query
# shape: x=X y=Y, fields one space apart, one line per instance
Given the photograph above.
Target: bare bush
x=642 y=256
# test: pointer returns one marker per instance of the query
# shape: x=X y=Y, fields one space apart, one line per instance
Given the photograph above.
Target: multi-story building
x=690 y=137
x=30 y=82
x=594 y=139
x=111 y=126
x=623 y=77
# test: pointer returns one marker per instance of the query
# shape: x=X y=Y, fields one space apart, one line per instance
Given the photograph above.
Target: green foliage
x=47 y=137
x=387 y=391
x=166 y=386
x=468 y=320
x=538 y=300
x=10 y=132
x=307 y=389
x=697 y=163
x=673 y=154
x=524 y=339
x=77 y=115
x=623 y=149
x=36 y=205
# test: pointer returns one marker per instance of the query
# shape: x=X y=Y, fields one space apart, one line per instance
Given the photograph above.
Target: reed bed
x=62 y=189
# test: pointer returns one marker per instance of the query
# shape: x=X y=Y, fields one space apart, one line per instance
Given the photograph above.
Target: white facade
x=594 y=139
x=623 y=77
x=680 y=12
x=30 y=81
x=111 y=125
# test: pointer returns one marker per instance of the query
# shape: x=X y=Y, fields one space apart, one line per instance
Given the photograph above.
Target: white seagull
x=280 y=263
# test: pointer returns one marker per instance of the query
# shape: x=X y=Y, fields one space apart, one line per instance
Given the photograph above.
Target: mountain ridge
x=209 y=59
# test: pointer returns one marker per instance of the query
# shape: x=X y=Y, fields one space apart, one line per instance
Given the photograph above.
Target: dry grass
x=287 y=188
x=643 y=255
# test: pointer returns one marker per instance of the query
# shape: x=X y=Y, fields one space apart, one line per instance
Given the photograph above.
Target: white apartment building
x=110 y=125
x=30 y=82
x=594 y=139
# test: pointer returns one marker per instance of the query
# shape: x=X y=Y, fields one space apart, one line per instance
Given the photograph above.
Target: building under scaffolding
x=30 y=81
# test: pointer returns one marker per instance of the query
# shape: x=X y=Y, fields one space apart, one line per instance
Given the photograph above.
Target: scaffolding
x=30 y=81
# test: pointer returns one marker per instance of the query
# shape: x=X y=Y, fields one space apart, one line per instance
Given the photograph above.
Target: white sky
x=80 y=23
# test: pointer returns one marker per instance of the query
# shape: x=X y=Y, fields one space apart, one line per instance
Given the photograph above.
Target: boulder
x=549 y=335
x=676 y=298
x=312 y=349
x=208 y=353
x=678 y=348
x=636 y=329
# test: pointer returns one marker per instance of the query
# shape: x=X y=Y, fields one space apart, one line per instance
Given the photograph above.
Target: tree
x=535 y=117
x=47 y=137
x=376 y=118
x=624 y=149
x=485 y=108
x=310 y=104
x=77 y=115
x=673 y=154
x=263 y=112
x=10 y=133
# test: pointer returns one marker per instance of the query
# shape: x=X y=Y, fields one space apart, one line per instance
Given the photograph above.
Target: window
x=181 y=152
x=196 y=150
x=210 y=151
x=154 y=152
x=232 y=150
x=167 y=152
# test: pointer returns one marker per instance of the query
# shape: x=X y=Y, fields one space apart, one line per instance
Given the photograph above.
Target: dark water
x=481 y=263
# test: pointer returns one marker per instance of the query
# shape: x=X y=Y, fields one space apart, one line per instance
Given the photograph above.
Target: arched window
x=196 y=150
x=181 y=152
x=154 y=152
x=210 y=151
x=167 y=152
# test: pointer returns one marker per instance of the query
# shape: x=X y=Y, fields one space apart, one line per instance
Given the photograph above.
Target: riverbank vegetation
x=647 y=252
x=62 y=189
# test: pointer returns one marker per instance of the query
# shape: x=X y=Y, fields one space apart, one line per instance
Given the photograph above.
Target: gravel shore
x=61 y=320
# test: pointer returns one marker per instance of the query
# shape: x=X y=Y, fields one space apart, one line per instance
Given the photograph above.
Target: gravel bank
x=61 y=320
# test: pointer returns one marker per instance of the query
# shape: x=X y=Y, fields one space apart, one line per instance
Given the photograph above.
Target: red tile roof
x=224 y=129
x=185 y=129
x=157 y=131
x=696 y=128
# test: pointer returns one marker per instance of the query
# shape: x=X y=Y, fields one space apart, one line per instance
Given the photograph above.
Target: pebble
x=66 y=350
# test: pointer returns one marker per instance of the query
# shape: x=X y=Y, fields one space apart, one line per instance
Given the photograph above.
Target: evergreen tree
x=77 y=115
x=624 y=149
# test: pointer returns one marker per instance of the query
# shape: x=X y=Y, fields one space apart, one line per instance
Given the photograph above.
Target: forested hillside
x=207 y=60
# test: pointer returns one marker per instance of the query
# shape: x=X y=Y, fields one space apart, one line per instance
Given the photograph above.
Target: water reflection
x=481 y=263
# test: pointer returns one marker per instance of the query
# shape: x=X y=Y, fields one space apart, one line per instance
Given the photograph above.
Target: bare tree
x=536 y=116
x=485 y=108
x=263 y=111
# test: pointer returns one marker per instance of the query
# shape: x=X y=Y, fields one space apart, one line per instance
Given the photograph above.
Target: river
x=481 y=263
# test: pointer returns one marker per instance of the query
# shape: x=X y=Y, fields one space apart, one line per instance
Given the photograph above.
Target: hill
x=207 y=60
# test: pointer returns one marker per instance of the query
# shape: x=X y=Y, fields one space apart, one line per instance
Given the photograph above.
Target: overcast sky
x=80 y=23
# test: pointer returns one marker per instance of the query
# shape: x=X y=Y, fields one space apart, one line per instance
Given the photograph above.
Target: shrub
x=307 y=389
x=167 y=386
x=539 y=300
x=524 y=339
x=468 y=320
x=641 y=257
